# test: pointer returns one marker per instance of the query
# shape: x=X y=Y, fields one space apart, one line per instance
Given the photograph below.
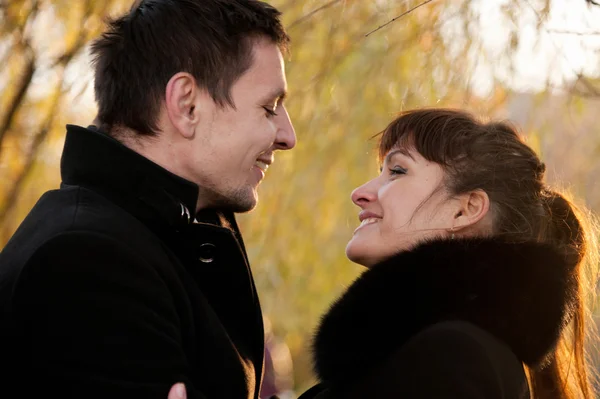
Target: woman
x=478 y=273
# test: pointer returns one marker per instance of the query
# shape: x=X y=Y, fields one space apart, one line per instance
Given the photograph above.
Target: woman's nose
x=364 y=194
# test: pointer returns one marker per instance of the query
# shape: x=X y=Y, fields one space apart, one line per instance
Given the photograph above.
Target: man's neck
x=154 y=148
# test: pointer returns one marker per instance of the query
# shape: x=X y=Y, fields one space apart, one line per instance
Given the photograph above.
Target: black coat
x=448 y=319
x=109 y=290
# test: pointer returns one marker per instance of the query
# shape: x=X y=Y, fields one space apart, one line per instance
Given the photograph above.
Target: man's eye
x=270 y=112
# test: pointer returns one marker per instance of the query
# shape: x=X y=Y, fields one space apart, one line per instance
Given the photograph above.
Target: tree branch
x=22 y=88
x=313 y=12
x=399 y=16
x=568 y=32
x=8 y=51
x=334 y=60
x=69 y=54
x=26 y=78
x=15 y=190
x=11 y=198
x=590 y=89
x=39 y=138
x=285 y=7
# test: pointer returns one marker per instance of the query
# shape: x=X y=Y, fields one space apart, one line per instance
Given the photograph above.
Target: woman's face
x=404 y=205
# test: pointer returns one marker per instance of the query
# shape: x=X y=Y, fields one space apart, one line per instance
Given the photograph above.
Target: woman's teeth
x=368 y=221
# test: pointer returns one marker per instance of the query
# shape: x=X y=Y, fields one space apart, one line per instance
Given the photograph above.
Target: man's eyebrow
x=278 y=95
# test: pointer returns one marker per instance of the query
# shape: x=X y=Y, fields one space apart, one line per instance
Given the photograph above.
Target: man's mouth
x=261 y=165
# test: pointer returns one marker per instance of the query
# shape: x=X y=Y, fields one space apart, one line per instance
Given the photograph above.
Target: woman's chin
x=359 y=254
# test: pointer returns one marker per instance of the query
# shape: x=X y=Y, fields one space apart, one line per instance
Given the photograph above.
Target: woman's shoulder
x=458 y=336
x=450 y=359
x=458 y=356
x=464 y=332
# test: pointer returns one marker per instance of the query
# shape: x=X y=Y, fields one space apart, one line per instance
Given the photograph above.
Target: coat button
x=206 y=253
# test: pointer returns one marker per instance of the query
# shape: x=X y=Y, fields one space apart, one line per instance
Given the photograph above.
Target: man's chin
x=245 y=207
x=239 y=202
x=242 y=203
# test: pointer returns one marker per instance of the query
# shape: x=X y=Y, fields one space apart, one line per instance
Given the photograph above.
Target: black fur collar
x=522 y=293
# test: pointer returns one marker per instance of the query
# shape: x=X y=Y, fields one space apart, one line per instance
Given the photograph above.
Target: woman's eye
x=397 y=170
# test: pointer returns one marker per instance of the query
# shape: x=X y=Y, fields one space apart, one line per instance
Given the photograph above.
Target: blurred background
x=535 y=62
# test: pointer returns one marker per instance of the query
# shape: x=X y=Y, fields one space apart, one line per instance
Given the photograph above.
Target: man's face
x=233 y=147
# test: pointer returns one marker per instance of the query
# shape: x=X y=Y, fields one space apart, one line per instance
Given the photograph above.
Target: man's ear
x=182 y=105
x=473 y=207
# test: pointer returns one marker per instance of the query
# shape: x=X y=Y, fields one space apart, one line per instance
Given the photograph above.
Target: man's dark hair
x=140 y=51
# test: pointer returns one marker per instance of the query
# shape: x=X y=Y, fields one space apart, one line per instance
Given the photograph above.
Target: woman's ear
x=473 y=207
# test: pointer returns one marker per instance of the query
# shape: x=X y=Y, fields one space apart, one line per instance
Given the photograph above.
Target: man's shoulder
x=87 y=210
x=74 y=207
x=74 y=211
x=74 y=231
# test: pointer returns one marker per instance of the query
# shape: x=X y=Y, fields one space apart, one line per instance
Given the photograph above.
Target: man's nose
x=286 y=136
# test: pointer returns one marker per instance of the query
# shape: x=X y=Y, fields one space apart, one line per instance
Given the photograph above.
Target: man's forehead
x=267 y=73
x=265 y=50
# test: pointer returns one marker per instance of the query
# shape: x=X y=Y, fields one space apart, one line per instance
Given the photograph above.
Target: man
x=133 y=275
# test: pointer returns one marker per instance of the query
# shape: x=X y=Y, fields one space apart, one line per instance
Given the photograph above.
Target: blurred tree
x=345 y=86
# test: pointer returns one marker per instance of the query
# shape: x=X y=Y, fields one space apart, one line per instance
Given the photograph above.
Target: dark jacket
x=448 y=319
x=109 y=289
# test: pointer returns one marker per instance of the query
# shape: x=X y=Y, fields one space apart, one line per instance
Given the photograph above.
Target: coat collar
x=522 y=293
x=156 y=197
x=94 y=160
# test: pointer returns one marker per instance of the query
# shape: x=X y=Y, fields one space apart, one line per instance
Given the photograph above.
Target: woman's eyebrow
x=402 y=151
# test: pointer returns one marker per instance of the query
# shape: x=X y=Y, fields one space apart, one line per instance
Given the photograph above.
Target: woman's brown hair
x=492 y=157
